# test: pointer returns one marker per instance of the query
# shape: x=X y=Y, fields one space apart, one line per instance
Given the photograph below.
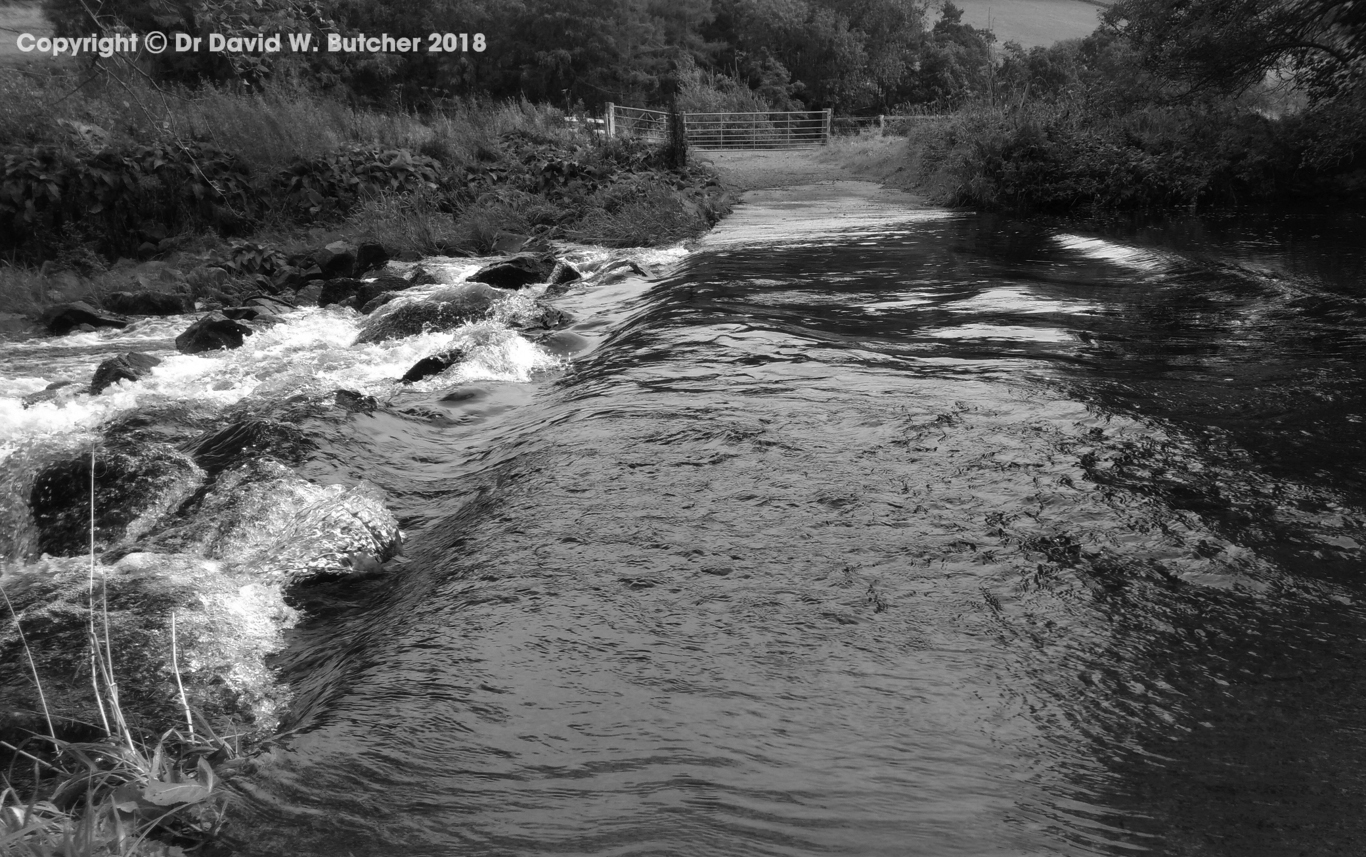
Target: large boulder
x=517 y=271
x=227 y=624
x=443 y=310
x=131 y=366
x=148 y=303
x=213 y=332
x=135 y=489
x=63 y=318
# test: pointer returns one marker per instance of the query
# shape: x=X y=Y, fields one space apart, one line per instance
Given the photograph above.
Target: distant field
x=1031 y=22
x=16 y=18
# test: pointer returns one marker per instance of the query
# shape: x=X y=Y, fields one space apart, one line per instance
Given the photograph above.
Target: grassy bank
x=117 y=168
x=1065 y=157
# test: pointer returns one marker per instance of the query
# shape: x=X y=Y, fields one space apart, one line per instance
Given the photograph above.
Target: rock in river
x=213 y=332
x=148 y=303
x=517 y=272
x=131 y=366
x=63 y=318
x=444 y=309
x=434 y=365
x=134 y=489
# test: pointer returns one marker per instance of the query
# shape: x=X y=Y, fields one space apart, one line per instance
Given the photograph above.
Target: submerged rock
x=433 y=365
x=64 y=318
x=213 y=332
x=346 y=532
x=131 y=366
x=248 y=438
x=443 y=310
x=543 y=317
x=148 y=303
x=134 y=490
x=264 y=517
x=356 y=403
x=226 y=625
x=54 y=392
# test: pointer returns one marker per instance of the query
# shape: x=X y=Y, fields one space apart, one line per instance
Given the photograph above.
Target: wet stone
x=213 y=332
x=448 y=308
x=517 y=272
x=148 y=303
x=63 y=318
x=356 y=403
x=55 y=391
x=433 y=365
x=249 y=438
x=131 y=366
x=134 y=490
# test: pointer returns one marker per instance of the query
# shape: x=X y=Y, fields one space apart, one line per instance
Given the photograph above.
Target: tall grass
x=120 y=795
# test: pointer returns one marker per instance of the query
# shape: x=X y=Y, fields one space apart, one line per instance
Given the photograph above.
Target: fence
x=773 y=130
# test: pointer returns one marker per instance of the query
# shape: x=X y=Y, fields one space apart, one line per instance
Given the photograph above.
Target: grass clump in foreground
x=117 y=795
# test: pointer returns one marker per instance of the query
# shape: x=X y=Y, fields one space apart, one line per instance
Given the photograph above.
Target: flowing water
x=860 y=529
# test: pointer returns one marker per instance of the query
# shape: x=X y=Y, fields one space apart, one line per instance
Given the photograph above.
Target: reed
x=120 y=795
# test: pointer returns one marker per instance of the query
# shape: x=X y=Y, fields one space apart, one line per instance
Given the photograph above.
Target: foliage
x=955 y=65
x=321 y=188
x=76 y=18
x=127 y=196
x=1037 y=156
x=113 y=796
x=1230 y=45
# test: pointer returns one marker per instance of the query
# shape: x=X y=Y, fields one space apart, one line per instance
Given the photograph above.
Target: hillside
x=1032 y=22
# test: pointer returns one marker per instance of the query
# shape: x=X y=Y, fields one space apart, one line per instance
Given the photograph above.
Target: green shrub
x=119 y=198
x=1059 y=157
x=320 y=188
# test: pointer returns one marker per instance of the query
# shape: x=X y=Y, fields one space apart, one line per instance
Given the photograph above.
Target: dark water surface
x=871 y=531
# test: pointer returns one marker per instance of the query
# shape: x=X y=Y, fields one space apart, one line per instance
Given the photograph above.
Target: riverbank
x=215 y=196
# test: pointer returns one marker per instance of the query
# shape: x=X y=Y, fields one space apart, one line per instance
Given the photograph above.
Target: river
x=857 y=529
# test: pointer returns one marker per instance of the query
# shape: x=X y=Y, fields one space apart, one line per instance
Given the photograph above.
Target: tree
x=1230 y=45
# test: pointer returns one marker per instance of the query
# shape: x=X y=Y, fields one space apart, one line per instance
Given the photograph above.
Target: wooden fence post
x=825 y=135
x=611 y=120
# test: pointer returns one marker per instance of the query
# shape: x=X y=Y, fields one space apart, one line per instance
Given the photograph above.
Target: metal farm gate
x=793 y=129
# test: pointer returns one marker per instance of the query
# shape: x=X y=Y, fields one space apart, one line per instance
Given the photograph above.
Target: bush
x=120 y=198
x=1059 y=157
